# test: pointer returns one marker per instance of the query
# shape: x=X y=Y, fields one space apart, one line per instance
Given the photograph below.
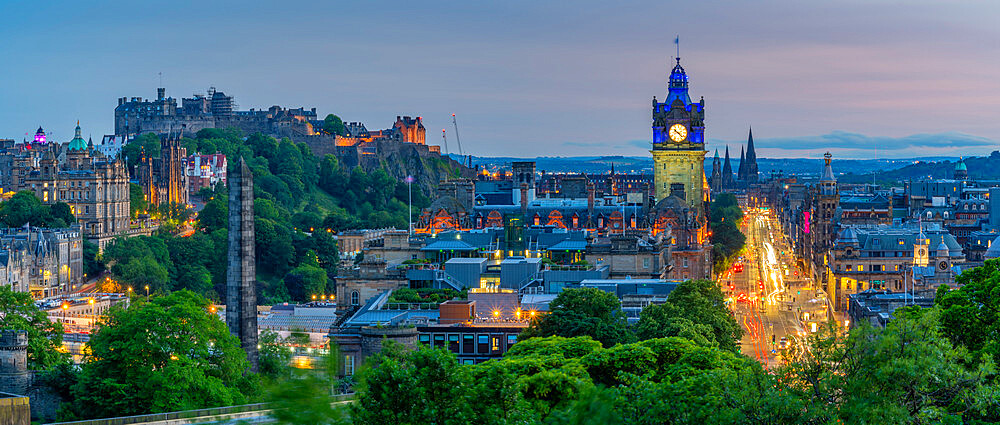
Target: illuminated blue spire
x=678 y=85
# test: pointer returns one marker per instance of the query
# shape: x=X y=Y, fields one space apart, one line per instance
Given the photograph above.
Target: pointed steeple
x=741 y=173
x=716 y=172
x=750 y=171
x=727 y=172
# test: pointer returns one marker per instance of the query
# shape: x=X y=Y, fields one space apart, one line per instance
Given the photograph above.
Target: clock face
x=943 y=265
x=678 y=132
x=921 y=252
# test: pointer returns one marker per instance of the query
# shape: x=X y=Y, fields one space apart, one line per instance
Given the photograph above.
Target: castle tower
x=14 y=375
x=241 y=296
x=679 y=142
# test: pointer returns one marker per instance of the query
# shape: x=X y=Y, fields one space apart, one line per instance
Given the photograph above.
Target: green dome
x=77 y=143
x=961 y=166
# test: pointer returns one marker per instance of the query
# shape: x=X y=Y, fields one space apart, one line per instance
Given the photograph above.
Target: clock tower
x=679 y=143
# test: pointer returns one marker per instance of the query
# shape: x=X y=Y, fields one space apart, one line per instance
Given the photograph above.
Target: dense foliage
x=18 y=312
x=583 y=311
x=906 y=373
x=727 y=239
x=695 y=310
x=169 y=354
x=25 y=208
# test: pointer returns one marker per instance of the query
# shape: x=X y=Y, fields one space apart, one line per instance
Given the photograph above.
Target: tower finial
x=677 y=43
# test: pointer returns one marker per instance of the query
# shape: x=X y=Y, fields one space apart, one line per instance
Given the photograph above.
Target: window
x=900 y=241
x=861 y=267
x=849 y=268
x=495 y=343
x=425 y=339
x=348 y=364
x=685 y=262
x=453 y=343
x=439 y=341
x=355 y=298
x=511 y=339
x=645 y=263
x=468 y=343
x=468 y=362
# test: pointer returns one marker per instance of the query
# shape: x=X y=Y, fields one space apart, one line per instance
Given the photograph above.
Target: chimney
x=590 y=197
x=524 y=198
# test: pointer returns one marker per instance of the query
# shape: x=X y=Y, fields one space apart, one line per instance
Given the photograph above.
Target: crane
x=457 y=139
x=443 y=136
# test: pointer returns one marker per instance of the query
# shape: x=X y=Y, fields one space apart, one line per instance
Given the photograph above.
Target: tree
x=422 y=387
x=169 y=354
x=92 y=262
x=332 y=124
x=306 y=280
x=215 y=215
x=18 y=312
x=696 y=310
x=969 y=315
x=583 y=312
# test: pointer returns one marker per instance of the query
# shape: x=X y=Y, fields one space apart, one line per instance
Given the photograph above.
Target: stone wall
x=14 y=410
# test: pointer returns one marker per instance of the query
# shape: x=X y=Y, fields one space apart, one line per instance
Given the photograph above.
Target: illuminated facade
x=679 y=143
x=94 y=186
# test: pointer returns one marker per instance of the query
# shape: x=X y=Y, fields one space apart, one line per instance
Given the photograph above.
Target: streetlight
x=65 y=306
x=147 y=292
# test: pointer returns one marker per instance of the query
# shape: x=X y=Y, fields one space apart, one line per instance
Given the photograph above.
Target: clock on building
x=943 y=265
x=678 y=132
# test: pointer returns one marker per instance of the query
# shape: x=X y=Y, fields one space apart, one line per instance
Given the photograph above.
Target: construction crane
x=457 y=139
x=443 y=136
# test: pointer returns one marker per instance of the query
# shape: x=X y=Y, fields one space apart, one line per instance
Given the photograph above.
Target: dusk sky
x=530 y=78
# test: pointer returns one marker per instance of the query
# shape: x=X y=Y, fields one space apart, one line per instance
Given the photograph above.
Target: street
x=772 y=301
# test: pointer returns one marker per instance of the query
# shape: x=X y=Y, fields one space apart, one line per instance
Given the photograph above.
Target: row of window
x=469 y=343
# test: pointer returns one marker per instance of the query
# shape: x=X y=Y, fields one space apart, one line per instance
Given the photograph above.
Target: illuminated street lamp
x=147 y=292
x=65 y=306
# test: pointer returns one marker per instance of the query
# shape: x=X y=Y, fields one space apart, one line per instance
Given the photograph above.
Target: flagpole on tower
x=677 y=43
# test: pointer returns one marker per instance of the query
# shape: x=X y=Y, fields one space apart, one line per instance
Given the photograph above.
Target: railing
x=218 y=412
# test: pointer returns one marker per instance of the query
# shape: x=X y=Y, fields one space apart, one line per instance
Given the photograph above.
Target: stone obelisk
x=241 y=281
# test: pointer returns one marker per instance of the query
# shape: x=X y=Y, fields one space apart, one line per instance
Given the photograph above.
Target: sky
x=531 y=78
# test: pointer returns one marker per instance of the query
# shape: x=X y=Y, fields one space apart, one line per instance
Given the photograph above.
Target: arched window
x=355 y=298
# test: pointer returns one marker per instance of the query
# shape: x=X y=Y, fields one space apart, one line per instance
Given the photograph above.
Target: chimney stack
x=524 y=198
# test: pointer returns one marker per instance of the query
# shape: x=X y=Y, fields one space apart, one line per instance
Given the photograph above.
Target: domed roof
x=994 y=251
x=77 y=143
x=848 y=235
x=678 y=85
x=671 y=203
x=960 y=165
x=942 y=246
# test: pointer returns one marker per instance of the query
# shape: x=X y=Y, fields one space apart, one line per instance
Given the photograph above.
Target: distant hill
x=980 y=168
x=637 y=164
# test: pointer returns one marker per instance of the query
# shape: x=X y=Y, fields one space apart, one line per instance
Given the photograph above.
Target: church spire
x=750 y=171
x=741 y=173
x=727 y=172
x=716 y=172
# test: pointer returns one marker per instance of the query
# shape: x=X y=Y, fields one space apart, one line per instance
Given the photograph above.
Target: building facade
x=679 y=143
x=164 y=179
x=92 y=184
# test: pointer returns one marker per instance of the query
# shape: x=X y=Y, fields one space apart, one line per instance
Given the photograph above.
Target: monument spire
x=241 y=281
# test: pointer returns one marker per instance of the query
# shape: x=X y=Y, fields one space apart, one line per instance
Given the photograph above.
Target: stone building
x=94 y=186
x=135 y=116
x=898 y=258
x=164 y=179
x=43 y=261
x=679 y=143
x=206 y=171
